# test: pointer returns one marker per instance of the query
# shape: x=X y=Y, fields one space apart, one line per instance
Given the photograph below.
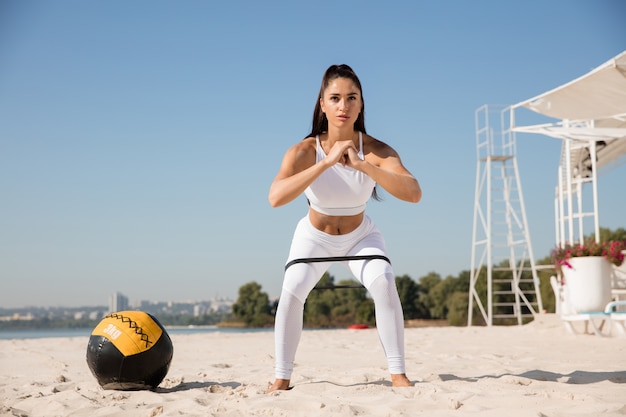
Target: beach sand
x=533 y=370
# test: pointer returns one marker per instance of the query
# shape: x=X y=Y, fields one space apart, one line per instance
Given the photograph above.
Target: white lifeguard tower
x=590 y=114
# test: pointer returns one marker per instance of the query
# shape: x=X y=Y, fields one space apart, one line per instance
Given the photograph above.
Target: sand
x=533 y=370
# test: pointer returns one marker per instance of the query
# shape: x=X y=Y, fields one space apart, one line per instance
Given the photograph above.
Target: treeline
x=430 y=297
x=335 y=305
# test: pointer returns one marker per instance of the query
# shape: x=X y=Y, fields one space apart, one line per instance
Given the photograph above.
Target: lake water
x=42 y=333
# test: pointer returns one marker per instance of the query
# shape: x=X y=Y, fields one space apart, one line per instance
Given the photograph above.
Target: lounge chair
x=617 y=317
x=594 y=321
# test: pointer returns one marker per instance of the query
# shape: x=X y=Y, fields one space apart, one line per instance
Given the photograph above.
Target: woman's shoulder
x=377 y=146
x=308 y=143
x=304 y=147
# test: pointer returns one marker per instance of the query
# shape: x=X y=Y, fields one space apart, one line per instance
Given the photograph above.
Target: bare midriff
x=335 y=225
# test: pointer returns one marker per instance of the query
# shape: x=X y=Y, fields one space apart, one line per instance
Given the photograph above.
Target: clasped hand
x=345 y=153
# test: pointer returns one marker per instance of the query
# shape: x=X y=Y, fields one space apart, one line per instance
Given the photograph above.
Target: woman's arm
x=298 y=169
x=382 y=163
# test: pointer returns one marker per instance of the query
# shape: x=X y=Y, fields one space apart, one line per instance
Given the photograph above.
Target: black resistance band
x=337 y=259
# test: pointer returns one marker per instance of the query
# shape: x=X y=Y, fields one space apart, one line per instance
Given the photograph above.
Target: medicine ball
x=129 y=350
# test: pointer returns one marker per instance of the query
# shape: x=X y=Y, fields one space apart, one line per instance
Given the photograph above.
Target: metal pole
x=568 y=170
x=594 y=173
x=561 y=218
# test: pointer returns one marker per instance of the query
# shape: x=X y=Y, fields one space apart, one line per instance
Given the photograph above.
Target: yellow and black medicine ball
x=129 y=350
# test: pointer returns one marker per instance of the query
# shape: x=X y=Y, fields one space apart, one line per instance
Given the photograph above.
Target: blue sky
x=138 y=139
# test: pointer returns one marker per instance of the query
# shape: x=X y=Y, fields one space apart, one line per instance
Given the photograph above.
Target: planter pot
x=587 y=283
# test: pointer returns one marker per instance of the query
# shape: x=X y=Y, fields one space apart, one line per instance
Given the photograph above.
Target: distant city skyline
x=117 y=302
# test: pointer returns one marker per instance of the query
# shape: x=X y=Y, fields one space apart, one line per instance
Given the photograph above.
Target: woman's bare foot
x=279 y=385
x=400 y=380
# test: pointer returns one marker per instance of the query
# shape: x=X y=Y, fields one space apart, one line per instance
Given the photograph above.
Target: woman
x=338 y=167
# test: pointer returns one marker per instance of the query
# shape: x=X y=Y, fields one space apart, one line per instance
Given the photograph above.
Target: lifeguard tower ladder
x=503 y=273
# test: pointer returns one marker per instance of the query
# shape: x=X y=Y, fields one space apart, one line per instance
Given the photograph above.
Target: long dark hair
x=320 y=122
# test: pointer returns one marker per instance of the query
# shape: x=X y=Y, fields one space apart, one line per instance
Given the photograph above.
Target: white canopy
x=597 y=95
x=591 y=108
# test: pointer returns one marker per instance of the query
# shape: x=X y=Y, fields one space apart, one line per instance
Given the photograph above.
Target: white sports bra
x=340 y=190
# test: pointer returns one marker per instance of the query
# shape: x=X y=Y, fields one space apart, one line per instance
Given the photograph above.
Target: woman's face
x=341 y=102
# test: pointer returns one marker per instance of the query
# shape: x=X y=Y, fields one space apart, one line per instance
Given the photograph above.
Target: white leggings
x=376 y=275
